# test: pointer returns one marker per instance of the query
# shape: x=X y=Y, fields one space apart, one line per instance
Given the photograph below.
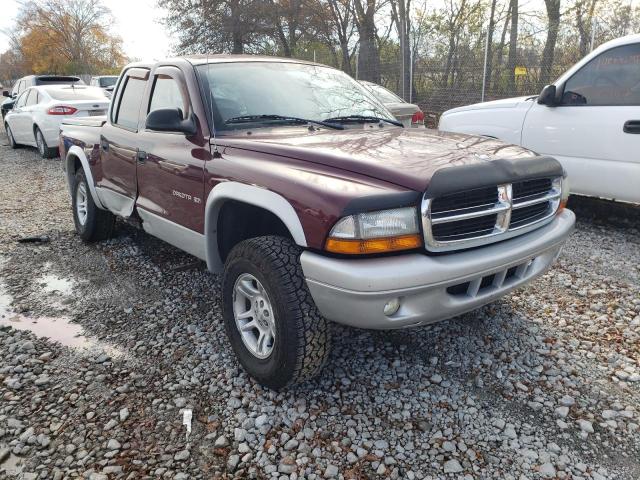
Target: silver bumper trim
x=354 y=291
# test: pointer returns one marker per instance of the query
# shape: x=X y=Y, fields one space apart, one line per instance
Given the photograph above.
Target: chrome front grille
x=489 y=214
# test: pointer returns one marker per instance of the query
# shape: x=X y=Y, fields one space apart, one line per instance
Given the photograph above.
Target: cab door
x=595 y=130
x=116 y=181
x=171 y=168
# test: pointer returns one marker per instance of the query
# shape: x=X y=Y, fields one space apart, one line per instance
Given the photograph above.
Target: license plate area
x=97 y=113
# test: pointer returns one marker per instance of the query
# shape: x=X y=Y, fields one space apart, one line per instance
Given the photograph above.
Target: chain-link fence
x=466 y=64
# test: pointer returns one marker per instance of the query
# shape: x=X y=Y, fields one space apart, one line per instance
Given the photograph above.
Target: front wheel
x=92 y=223
x=272 y=323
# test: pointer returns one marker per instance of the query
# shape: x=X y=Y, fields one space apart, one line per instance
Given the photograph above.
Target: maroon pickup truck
x=314 y=204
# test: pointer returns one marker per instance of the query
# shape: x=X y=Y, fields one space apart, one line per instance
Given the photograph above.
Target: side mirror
x=5 y=93
x=548 y=96
x=170 y=120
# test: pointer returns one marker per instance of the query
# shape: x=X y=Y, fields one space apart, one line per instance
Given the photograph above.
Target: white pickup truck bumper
x=430 y=288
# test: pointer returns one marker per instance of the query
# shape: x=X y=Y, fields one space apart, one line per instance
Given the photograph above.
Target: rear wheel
x=43 y=148
x=271 y=321
x=12 y=142
x=92 y=223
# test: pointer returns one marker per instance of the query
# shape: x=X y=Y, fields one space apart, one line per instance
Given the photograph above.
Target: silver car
x=408 y=113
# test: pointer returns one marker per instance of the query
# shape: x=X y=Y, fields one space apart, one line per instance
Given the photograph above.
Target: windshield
x=107 y=81
x=288 y=89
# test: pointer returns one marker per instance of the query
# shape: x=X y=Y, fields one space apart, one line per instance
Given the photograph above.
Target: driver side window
x=167 y=94
x=610 y=79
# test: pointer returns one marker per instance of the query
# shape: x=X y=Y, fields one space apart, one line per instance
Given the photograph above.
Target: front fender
x=253 y=195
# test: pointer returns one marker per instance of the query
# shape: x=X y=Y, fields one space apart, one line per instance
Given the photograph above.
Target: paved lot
x=543 y=384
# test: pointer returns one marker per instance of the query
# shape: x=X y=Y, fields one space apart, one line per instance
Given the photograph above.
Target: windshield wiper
x=363 y=119
x=283 y=118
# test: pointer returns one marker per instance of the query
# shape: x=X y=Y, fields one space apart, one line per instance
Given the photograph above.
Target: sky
x=136 y=21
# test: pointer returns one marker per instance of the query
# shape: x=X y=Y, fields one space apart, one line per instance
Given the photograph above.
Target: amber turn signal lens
x=563 y=204
x=373 y=245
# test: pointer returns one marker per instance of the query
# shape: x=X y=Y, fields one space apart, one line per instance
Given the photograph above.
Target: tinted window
x=612 y=78
x=76 y=93
x=32 y=97
x=129 y=107
x=166 y=94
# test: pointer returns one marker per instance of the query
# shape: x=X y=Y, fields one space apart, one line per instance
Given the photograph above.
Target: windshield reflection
x=288 y=89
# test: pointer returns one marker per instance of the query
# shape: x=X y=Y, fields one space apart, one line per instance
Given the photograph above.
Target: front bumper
x=430 y=288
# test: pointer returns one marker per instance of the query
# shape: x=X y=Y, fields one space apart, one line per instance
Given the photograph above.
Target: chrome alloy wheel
x=254 y=315
x=81 y=203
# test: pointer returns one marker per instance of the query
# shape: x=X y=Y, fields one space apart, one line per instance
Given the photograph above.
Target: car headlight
x=375 y=232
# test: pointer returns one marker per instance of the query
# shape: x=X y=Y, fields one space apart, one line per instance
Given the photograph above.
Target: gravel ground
x=542 y=384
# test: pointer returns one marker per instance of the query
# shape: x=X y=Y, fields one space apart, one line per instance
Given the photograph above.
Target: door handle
x=141 y=156
x=631 y=126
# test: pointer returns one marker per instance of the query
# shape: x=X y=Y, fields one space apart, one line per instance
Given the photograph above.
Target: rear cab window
x=125 y=112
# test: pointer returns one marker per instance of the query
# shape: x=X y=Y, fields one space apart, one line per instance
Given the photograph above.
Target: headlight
x=375 y=232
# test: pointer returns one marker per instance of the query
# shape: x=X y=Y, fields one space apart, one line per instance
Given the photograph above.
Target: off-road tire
x=12 y=142
x=43 y=148
x=99 y=224
x=303 y=338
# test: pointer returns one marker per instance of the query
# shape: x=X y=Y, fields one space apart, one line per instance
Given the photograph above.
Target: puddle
x=56 y=329
x=54 y=284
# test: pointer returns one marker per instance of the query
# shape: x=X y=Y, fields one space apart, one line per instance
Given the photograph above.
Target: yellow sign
x=520 y=71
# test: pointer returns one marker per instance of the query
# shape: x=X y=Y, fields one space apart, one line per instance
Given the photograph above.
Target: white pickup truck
x=588 y=119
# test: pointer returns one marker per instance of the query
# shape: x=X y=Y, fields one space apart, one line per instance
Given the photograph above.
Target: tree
x=553 y=16
x=215 y=26
x=67 y=36
x=513 y=47
x=368 y=54
x=401 y=10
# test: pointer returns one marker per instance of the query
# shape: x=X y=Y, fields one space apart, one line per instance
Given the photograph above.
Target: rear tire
x=269 y=268
x=92 y=223
x=43 y=148
x=12 y=142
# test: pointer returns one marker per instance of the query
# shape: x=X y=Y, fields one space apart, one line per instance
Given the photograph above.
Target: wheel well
x=73 y=164
x=238 y=221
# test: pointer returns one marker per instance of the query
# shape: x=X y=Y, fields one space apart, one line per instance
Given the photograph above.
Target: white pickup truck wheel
x=271 y=321
x=92 y=223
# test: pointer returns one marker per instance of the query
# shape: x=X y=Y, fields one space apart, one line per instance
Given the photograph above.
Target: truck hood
x=406 y=157
x=503 y=103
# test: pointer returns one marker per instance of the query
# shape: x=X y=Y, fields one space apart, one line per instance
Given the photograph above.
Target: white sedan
x=589 y=120
x=38 y=111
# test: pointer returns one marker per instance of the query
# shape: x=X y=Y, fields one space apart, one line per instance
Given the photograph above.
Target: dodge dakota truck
x=295 y=184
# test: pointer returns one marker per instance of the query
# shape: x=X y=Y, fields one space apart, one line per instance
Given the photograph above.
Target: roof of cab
x=221 y=58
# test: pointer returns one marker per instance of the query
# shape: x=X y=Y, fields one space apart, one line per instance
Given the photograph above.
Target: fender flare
x=76 y=151
x=260 y=197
